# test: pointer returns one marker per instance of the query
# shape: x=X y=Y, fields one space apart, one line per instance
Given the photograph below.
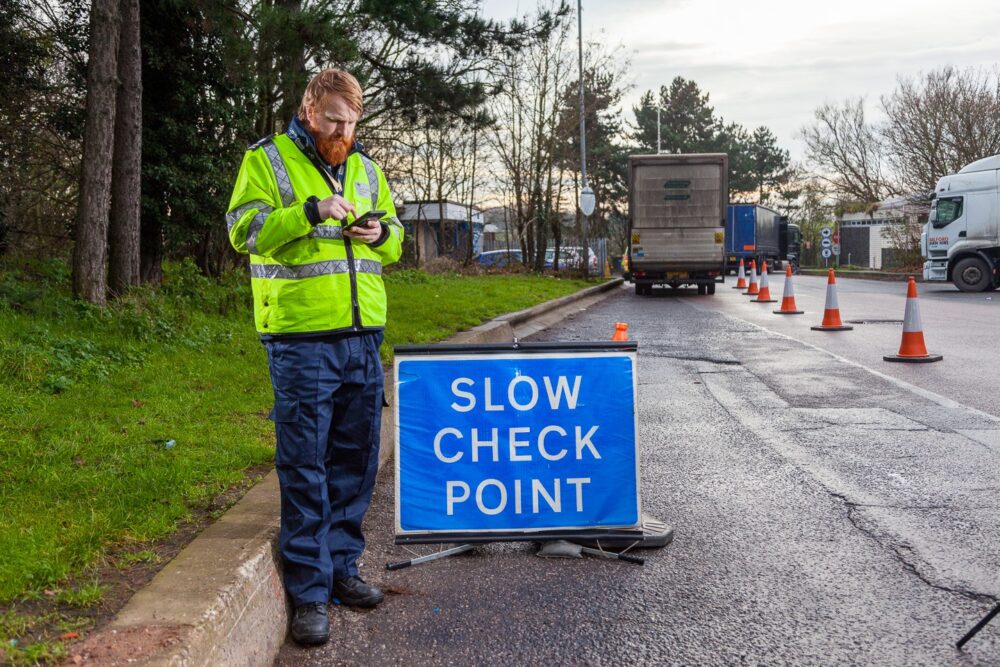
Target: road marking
x=943 y=401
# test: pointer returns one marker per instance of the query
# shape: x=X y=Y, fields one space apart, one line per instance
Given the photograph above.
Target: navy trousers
x=327 y=415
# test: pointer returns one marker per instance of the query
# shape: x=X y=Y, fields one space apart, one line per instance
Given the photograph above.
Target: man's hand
x=366 y=232
x=335 y=207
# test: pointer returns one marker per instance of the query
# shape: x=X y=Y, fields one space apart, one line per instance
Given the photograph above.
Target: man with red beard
x=315 y=215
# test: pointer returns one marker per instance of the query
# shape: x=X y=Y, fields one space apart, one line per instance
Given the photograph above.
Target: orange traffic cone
x=788 y=306
x=912 y=348
x=621 y=331
x=741 y=277
x=831 y=312
x=753 y=290
x=764 y=295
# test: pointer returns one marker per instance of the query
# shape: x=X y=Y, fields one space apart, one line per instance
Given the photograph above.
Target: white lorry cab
x=961 y=241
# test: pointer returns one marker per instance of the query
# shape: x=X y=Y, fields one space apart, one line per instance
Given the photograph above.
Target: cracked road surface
x=824 y=515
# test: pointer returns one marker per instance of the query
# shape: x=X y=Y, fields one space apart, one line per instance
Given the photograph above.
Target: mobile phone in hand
x=365 y=217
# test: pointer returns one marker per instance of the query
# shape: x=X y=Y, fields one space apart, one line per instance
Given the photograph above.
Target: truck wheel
x=702 y=289
x=710 y=288
x=971 y=275
x=640 y=289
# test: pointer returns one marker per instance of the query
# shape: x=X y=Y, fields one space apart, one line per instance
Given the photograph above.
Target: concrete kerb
x=501 y=329
x=866 y=275
x=221 y=600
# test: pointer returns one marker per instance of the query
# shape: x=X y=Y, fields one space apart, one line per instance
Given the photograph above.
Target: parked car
x=569 y=257
x=500 y=258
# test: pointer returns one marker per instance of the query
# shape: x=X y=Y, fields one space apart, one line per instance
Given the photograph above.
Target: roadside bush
x=50 y=341
x=443 y=265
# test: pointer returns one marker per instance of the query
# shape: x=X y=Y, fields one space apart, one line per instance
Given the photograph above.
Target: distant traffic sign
x=826 y=252
x=826 y=232
x=836 y=248
x=826 y=243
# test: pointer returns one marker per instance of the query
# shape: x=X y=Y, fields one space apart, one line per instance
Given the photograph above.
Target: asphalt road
x=825 y=514
x=964 y=327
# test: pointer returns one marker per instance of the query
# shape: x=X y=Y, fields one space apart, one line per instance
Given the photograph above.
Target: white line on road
x=943 y=401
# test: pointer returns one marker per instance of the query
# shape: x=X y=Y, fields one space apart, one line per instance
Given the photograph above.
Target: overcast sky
x=772 y=62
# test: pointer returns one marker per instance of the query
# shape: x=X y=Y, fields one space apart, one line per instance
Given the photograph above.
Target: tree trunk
x=151 y=250
x=90 y=249
x=264 y=123
x=291 y=61
x=471 y=246
x=123 y=237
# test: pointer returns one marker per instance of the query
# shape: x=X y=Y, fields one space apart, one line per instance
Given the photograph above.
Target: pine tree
x=768 y=164
x=688 y=124
x=687 y=121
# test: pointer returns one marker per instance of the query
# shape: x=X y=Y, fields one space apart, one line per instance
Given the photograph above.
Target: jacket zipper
x=355 y=306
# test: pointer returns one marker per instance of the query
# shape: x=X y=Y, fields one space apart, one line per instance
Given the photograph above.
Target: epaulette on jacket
x=258 y=144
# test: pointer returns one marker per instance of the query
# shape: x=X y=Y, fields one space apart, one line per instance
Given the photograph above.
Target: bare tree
x=90 y=249
x=848 y=152
x=123 y=235
x=524 y=143
x=439 y=163
x=939 y=122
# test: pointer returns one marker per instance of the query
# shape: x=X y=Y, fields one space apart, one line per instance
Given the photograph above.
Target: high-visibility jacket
x=310 y=279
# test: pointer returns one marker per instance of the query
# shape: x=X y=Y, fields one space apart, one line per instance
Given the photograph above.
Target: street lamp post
x=587 y=199
x=658 y=149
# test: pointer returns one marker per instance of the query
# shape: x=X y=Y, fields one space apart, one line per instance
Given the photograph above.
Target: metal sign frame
x=513 y=350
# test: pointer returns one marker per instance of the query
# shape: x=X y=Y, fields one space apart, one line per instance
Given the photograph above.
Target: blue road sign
x=516 y=442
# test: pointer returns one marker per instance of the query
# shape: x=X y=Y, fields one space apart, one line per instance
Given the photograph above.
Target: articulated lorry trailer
x=755 y=232
x=961 y=241
x=677 y=220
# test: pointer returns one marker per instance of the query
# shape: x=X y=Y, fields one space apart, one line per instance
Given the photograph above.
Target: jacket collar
x=303 y=138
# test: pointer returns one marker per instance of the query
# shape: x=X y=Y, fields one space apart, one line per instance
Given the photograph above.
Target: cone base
x=739 y=286
x=750 y=293
x=914 y=360
x=788 y=312
x=763 y=301
x=842 y=327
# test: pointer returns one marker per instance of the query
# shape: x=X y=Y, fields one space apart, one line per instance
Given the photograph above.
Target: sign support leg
x=635 y=560
x=979 y=626
x=434 y=556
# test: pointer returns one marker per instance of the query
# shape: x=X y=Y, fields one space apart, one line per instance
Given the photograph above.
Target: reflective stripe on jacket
x=309 y=279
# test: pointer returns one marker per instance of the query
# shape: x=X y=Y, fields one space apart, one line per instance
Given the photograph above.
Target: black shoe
x=354 y=592
x=310 y=624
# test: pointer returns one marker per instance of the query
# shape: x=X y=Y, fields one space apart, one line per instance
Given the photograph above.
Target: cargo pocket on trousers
x=293 y=447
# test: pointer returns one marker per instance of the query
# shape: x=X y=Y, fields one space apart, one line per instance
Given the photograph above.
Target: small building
x=497 y=233
x=441 y=229
x=878 y=238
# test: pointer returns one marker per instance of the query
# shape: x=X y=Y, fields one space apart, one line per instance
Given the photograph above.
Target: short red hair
x=332 y=81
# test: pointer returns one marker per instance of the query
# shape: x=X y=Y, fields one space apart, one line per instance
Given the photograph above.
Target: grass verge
x=125 y=429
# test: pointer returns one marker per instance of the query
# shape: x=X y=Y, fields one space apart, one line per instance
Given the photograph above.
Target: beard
x=334 y=150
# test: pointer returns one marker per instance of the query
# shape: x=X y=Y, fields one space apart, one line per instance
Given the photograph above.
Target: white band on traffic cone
x=831 y=297
x=911 y=317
